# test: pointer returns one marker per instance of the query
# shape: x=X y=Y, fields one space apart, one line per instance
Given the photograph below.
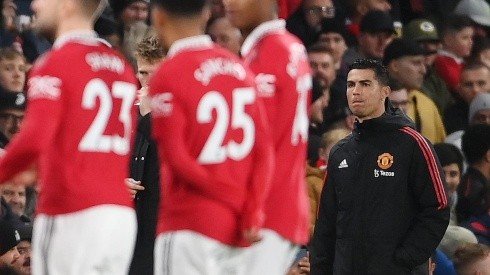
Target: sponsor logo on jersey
x=378 y=173
x=266 y=84
x=343 y=164
x=162 y=105
x=103 y=61
x=385 y=160
x=219 y=66
x=46 y=86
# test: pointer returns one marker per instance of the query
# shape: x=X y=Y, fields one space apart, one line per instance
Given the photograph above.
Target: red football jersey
x=212 y=140
x=78 y=126
x=284 y=82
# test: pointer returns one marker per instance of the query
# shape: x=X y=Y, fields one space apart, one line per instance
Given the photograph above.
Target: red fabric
x=417 y=6
x=354 y=29
x=279 y=60
x=288 y=7
x=449 y=70
x=57 y=120
x=217 y=199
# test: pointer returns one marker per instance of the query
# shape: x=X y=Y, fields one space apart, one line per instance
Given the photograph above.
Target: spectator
x=223 y=33
x=333 y=35
x=472 y=193
x=452 y=165
x=479 y=12
x=306 y=21
x=472 y=259
x=9 y=238
x=23 y=264
x=360 y=229
x=475 y=80
x=12 y=70
x=405 y=61
x=357 y=9
x=12 y=109
x=15 y=196
x=398 y=96
x=457 y=40
x=425 y=33
x=454 y=237
x=376 y=32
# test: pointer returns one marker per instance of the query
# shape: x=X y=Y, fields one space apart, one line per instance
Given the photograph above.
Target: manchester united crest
x=385 y=160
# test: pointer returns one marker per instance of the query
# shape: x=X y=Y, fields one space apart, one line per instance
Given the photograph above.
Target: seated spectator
x=376 y=32
x=425 y=33
x=472 y=259
x=305 y=22
x=472 y=190
x=479 y=113
x=223 y=33
x=398 y=96
x=357 y=9
x=454 y=237
x=12 y=109
x=451 y=161
x=475 y=80
x=479 y=12
x=333 y=35
x=405 y=62
x=9 y=238
x=15 y=196
x=23 y=264
x=12 y=70
x=457 y=40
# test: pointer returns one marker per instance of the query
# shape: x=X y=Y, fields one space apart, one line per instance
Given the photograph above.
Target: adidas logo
x=343 y=164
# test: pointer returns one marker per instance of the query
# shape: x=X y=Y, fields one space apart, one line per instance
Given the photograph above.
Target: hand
x=133 y=186
x=302 y=267
x=144 y=100
x=252 y=235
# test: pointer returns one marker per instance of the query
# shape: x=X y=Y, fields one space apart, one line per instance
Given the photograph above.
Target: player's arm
x=168 y=129
x=261 y=176
x=426 y=185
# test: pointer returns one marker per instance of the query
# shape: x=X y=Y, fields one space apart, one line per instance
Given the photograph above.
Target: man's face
x=47 y=15
x=145 y=70
x=10 y=122
x=137 y=11
x=226 y=35
x=244 y=14
x=474 y=82
x=461 y=42
x=409 y=71
x=323 y=67
x=317 y=10
x=23 y=264
x=452 y=175
x=13 y=74
x=15 y=196
x=335 y=43
x=10 y=257
x=373 y=45
x=365 y=94
x=481 y=117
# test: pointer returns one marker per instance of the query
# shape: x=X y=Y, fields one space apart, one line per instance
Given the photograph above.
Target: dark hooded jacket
x=383 y=208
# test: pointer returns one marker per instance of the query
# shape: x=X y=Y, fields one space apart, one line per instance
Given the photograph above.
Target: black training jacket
x=383 y=208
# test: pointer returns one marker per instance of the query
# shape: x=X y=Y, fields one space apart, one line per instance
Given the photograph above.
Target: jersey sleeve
x=43 y=113
x=168 y=129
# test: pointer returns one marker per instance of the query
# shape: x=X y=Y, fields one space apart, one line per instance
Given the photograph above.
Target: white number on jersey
x=94 y=139
x=300 y=124
x=214 y=151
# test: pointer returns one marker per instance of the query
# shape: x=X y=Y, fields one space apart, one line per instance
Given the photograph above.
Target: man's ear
x=386 y=91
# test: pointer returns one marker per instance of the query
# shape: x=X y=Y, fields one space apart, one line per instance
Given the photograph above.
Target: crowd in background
x=438 y=57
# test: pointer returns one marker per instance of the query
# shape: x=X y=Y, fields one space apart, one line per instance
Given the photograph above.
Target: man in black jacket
x=383 y=208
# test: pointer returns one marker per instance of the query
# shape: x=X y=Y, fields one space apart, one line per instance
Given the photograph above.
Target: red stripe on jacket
x=432 y=165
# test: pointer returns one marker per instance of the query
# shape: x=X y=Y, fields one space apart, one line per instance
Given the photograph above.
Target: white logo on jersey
x=47 y=87
x=300 y=125
x=161 y=105
x=297 y=53
x=218 y=66
x=103 y=61
x=343 y=164
x=266 y=84
x=382 y=173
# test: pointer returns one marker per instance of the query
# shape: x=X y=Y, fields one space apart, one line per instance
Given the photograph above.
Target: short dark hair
x=476 y=142
x=468 y=254
x=380 y=71
x=449 y=154
x=318 y=48
x=182 y=7
x=454 y=23
x=474 y=66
